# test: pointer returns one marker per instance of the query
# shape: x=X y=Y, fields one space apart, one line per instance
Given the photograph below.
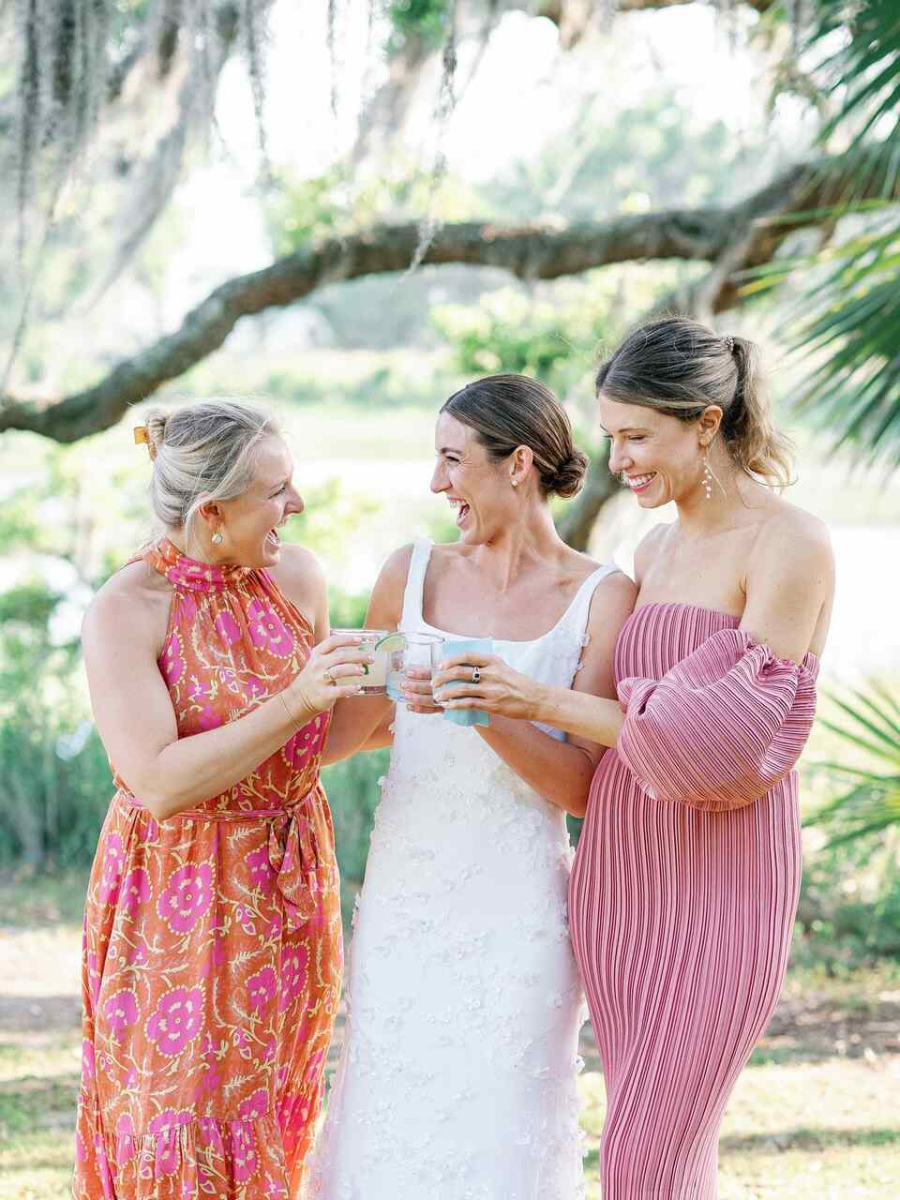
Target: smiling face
x=249 y=523
x=658 y=456
x=479 y=489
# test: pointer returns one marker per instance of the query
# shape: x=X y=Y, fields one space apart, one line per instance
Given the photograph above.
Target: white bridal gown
x=457 y=1080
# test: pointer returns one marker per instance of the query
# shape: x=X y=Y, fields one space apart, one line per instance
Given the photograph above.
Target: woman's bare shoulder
x=787 y=530
x=580 y=563
x=618 y=587
x=395 y=568
x=298 y=573
x=135 y=601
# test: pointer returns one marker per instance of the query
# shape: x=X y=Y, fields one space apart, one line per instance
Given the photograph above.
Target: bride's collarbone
x=524 y=612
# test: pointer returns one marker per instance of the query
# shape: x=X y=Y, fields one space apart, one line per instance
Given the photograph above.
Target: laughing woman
x=686 y=880
x=457 y=1078
x=212 y=949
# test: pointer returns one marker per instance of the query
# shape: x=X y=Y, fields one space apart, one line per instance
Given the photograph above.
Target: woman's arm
x=362 y=723
x=591 y=718
x=136 y=721
x=728 y=722
x=560 y=771
x=789 y=584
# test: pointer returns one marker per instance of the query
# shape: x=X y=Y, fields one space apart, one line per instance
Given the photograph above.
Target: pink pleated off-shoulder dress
x=685 y=887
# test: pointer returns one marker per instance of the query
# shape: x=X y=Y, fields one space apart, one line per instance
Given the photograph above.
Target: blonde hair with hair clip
x=201 y=452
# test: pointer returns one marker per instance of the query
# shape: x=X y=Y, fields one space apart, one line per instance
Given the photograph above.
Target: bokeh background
x=348 y=209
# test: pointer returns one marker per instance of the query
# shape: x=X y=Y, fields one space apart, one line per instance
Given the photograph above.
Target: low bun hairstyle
x=507 y=411
x=202 y=451
x=679 y=367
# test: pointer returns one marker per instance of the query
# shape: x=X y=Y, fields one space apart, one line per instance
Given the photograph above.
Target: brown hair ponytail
x=679 y=367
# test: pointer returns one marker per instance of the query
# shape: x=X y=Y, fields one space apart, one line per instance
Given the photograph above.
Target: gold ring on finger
x=329 y=676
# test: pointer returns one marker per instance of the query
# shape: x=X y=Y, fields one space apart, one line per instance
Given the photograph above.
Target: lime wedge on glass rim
x=370 y=637
x=393 y=641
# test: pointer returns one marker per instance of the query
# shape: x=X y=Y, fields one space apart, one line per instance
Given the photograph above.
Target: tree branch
x=528 y=252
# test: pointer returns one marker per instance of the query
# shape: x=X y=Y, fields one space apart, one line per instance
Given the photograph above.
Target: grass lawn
x=814 y=1117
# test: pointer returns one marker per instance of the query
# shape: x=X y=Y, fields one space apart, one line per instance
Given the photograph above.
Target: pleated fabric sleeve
x=681 y=913
x=721 y=728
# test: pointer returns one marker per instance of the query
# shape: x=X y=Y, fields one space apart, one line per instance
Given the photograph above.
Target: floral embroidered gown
x=212 y=940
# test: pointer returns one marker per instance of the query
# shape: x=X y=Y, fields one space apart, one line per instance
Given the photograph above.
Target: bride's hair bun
x=507 y=411
x=569 y=477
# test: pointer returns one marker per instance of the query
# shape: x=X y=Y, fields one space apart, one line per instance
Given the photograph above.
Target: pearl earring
x=707 y=475
x=514 y=482
x=217 y=538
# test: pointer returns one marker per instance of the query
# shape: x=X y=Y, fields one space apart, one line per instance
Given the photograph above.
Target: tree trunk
x=576 y=523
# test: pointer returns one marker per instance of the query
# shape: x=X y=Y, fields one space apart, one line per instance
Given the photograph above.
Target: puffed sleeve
x=720 y=729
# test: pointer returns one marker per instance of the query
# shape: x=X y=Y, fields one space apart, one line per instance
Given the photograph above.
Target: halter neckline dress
x=212 y=940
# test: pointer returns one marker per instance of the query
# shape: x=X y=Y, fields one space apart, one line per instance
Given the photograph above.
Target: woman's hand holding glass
x=335 y=669
x=418 y=694
x=473 y=680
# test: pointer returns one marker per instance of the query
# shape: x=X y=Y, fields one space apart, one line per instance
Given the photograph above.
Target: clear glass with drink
x=410 y=650
x=376 y=672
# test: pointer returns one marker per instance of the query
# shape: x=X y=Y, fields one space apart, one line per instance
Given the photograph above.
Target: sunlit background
x=547 y=123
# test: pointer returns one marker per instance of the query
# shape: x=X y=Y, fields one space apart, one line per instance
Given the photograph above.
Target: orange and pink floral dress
x=212 y=940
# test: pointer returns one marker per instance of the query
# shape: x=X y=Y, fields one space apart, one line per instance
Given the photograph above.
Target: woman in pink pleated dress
x=685 y=885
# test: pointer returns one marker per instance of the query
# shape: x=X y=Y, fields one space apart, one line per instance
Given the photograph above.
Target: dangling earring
x=217 y=538
x=707 y=475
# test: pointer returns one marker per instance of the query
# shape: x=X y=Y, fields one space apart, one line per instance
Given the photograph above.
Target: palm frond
x=867 y=721
x=861 y=69
x=849 y=321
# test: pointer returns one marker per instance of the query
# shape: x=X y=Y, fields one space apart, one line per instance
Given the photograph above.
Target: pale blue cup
x=450 y=648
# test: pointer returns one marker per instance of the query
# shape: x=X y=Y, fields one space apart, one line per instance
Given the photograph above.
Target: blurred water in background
x=865 y=631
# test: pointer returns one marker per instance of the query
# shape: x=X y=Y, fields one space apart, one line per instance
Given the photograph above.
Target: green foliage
x=56 y=781
x=850 y=904
x=341 y=386
x=347 y=610
x=329 y=519
x=335 y=204
x=554 y=338
x=304 y=210
x=869 y=803
x=353 y=793
x=425 y=20
x=849 y=914
x=507 y=331
x=651 y=157
x=850 y=321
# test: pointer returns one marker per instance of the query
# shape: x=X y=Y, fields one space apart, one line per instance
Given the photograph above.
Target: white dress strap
x=575 y=621
x=415 y=582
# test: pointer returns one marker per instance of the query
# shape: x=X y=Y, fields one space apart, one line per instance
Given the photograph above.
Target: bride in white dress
x=458 y=1074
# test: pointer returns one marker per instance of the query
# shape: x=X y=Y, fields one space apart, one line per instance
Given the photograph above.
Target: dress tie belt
x=298 y=875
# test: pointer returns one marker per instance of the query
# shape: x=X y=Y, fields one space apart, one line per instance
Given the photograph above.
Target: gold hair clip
x=142 y=438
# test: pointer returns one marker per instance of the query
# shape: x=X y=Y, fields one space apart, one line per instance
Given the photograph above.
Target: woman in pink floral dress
x=212 y=947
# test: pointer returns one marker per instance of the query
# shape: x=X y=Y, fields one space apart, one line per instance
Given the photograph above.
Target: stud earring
x=217 y=538
x=707 y=475
x=514 y=482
